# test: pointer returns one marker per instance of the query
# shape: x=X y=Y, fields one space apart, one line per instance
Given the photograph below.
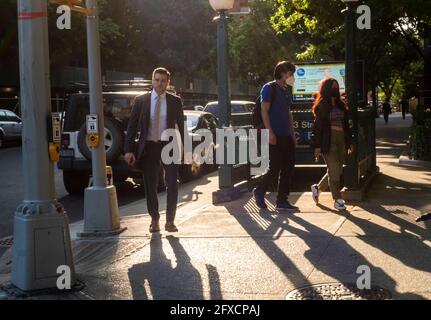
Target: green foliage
x=420 y=138
x=136 y=36
x=255 y=47
x=391 y=49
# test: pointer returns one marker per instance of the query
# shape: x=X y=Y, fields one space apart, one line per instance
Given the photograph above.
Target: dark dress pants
x=151 y=162
x=281 y=167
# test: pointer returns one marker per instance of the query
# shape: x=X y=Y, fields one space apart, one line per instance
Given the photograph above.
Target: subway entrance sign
x=307 y=80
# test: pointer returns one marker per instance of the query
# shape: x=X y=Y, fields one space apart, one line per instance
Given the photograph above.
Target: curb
x=405 y=160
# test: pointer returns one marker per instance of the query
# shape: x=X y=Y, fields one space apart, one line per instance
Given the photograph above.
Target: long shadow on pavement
x=157 y=279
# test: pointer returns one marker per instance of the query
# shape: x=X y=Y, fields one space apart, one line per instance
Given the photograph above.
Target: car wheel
x=114 y=140
x=75 y=182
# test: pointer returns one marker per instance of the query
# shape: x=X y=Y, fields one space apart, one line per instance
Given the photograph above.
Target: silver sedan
x=10 y=127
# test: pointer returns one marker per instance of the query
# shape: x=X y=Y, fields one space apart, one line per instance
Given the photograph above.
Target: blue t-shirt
x=280 y=108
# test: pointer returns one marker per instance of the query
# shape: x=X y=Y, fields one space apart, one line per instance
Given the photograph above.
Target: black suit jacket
x=142 y=106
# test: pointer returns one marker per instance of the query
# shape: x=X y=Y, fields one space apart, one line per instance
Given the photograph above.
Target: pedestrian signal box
x=93 y=131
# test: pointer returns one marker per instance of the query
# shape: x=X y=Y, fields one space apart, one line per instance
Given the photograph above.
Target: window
x=192 y=121
x=117 y=107
x=213 y=109
x=238 y=108
x=12 y=117
x=3 y=116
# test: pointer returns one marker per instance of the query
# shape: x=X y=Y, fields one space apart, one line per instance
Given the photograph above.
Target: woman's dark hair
x=283 y=67
x=325 y=95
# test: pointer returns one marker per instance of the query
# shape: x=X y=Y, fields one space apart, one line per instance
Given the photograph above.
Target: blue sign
x=301 y=72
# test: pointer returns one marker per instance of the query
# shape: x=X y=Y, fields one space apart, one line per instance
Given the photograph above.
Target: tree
x=255 y=47
x=178 y=34
x=395 y=35
x=9 y=43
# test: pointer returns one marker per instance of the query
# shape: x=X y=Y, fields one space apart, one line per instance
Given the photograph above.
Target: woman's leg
x=335 y=166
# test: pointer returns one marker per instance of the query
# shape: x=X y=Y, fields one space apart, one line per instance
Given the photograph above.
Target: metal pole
x=352 y=170
x=223 y=69
x=41 y=227
x=101 y=214
x=225 y=171
x=95 y=85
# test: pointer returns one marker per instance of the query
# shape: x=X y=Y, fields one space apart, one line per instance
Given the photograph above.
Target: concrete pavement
x=236 y=251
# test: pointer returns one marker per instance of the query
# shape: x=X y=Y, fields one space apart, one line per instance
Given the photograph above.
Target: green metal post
x=225 y=171
x=352 y=180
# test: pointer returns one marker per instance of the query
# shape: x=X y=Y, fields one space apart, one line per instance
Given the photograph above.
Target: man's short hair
x=283 y=67
x=162 y=71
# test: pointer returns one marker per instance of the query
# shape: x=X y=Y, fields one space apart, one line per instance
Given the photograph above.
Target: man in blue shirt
x=278 y=120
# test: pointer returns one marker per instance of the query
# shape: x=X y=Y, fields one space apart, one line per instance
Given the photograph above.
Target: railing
x=239 y=171
x=366 y=142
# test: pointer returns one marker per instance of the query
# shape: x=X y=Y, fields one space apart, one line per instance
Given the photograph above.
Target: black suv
x=75 y=156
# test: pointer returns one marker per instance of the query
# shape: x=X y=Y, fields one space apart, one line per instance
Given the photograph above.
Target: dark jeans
x=151 y=161
x=386 y=116
x=281 y=165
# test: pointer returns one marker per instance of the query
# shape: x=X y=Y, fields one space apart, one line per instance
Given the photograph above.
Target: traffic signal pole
x=101 y=213
x=41 y=226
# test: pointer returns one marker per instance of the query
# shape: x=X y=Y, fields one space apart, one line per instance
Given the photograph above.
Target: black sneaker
x=285 y=205
x=259 y=197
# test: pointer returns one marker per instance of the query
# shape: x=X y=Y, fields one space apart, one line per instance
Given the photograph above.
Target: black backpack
x=256 y=117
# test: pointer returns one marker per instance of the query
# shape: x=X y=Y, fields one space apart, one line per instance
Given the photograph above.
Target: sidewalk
x=235 y=251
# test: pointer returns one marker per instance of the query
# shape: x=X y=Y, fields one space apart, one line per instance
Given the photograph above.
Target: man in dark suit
x=152 y=114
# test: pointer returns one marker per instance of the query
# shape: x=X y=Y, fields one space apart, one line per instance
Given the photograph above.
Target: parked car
x=241 y=112
x=194 y=108
x=75 y=156
x=10 y=127
x=197 y=120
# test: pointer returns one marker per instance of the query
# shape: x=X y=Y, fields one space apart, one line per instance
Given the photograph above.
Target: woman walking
x=331 y=137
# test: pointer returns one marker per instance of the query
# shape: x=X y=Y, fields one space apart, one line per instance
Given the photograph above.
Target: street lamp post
x=352 y=171
x=224 y=98
x=222 y=7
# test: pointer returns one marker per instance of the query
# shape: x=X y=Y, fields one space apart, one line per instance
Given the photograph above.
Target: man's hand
x=317 y=152
x=130 y=158
x=272 y=138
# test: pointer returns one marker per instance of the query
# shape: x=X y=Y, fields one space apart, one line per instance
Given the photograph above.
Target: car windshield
x=212 y=108
x=235 y=107
x=192 y=121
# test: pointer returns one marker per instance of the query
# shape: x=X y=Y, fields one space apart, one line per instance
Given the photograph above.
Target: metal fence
x=366 y=142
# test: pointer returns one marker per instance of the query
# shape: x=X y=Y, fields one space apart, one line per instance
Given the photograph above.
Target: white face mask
x=290 y=81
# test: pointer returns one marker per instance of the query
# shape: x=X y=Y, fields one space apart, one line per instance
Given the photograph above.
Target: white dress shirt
x=154 y=136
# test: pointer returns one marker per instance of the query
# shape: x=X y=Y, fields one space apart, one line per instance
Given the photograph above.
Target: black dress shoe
x=155 y=226
x=170 y=227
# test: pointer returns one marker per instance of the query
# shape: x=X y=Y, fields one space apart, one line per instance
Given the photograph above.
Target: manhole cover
x=6 y=242
x=338 y=291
